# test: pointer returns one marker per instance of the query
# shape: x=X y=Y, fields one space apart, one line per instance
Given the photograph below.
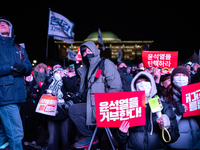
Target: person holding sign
x=148 y=136
x=188 y=127
x=59 y=125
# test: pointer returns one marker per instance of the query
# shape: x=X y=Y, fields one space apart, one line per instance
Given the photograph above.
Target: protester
x=195 y=66
x=34 y=121
x=125 y=77
x=196 y=77
x=188 y=127
x=140 y=66
x=148 y=136
x=14 y=65
x=83 y=114
x=60 y=125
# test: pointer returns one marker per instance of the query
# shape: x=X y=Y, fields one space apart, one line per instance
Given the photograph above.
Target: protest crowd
x=71 y=121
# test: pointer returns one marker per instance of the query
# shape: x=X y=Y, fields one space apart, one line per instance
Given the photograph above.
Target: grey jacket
x=111 y=75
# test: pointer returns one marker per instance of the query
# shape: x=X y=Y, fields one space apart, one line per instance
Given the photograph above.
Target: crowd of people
x=22 y=86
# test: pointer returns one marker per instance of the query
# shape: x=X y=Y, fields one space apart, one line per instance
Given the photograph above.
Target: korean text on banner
x=191 y=98
x=163 y=59
x=113 y=108
x=47 y=105
x=59 y=25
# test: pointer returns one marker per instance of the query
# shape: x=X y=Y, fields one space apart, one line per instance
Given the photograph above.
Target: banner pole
x=47 y=38
x=47 y=48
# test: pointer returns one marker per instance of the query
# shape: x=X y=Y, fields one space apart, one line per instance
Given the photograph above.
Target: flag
x=119 y=55
x=145 y=47
x=68 y=40
x=60 y=26
x=71 y=55
x=100 y=39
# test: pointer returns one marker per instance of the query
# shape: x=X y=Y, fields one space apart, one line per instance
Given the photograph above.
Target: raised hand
x=124 y=126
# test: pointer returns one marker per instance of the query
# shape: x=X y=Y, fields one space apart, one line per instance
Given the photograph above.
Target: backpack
x=20 y=51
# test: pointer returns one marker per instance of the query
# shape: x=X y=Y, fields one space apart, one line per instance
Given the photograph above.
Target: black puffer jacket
x=140 y=138
x=149 y=136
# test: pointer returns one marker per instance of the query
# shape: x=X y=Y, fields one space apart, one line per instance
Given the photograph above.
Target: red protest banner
x=47 y=105
x=113 y=108
x=166 y=60
x=191 y=98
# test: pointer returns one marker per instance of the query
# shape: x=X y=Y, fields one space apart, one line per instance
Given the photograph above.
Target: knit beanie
x=180 y=69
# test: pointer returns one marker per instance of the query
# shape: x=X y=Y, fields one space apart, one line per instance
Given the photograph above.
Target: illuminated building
x=129 y=49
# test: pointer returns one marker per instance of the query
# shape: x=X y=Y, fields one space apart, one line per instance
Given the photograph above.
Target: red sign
x=166 y=60
x=191 y=98
x=113 y=108
x=47 y=105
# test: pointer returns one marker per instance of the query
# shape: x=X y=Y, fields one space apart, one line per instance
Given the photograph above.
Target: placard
x=113 y=108
x=47 y=105
x=191 y=98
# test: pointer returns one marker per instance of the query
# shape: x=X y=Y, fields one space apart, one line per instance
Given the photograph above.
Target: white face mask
x=57 y=76
x=144 y=85
x=180 y=81
x=142 y=68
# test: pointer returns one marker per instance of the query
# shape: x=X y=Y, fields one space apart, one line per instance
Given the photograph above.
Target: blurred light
x=34 y=61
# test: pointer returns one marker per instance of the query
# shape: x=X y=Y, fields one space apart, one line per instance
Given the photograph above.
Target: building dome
x=107 y=36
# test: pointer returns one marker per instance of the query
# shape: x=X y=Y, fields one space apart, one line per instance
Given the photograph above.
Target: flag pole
x=47 y=47
x=47 y=44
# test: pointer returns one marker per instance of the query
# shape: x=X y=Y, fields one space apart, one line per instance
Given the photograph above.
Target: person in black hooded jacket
x=125 y=77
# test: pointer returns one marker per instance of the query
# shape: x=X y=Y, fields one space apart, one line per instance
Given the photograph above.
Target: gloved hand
x=163 y=121
x=18 y=70
x=179 y=109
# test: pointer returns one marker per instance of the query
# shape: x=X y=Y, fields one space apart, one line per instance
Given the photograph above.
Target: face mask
x=124 y=69
x=57 y=76
x=89 y=56
x=86 y=59
x=144 y=86
x=142 y=68
x=180 y=81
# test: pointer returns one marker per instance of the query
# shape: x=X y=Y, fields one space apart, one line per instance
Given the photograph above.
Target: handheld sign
x=191 y=98
x=166 y=60
x=47 y=105
x=113 y=108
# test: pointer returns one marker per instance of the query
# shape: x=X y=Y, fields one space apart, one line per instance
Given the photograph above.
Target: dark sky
x=173 y=26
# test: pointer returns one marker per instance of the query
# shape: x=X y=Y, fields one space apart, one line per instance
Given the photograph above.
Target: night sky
x=173 y=26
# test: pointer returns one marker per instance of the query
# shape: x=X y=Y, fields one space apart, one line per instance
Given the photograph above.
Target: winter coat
x=66 y=87
x=125 y=84
x=112 y=78
x=149 y=136
x=188 y=128
x=12 y=89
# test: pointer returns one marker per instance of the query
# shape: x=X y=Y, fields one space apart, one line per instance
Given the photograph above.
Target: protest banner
x=113 y=108
x=100 y=39
x=47 y=105
x=166 y=60
x=71 y=55
x=59 y=25
x=191 y=98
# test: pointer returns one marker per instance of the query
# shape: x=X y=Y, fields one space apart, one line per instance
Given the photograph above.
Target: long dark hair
x=168 y=94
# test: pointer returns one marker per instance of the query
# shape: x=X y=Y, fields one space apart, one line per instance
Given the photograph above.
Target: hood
x=91 y=45
x=150 y=77
x=9 y=24
x=41 y=65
